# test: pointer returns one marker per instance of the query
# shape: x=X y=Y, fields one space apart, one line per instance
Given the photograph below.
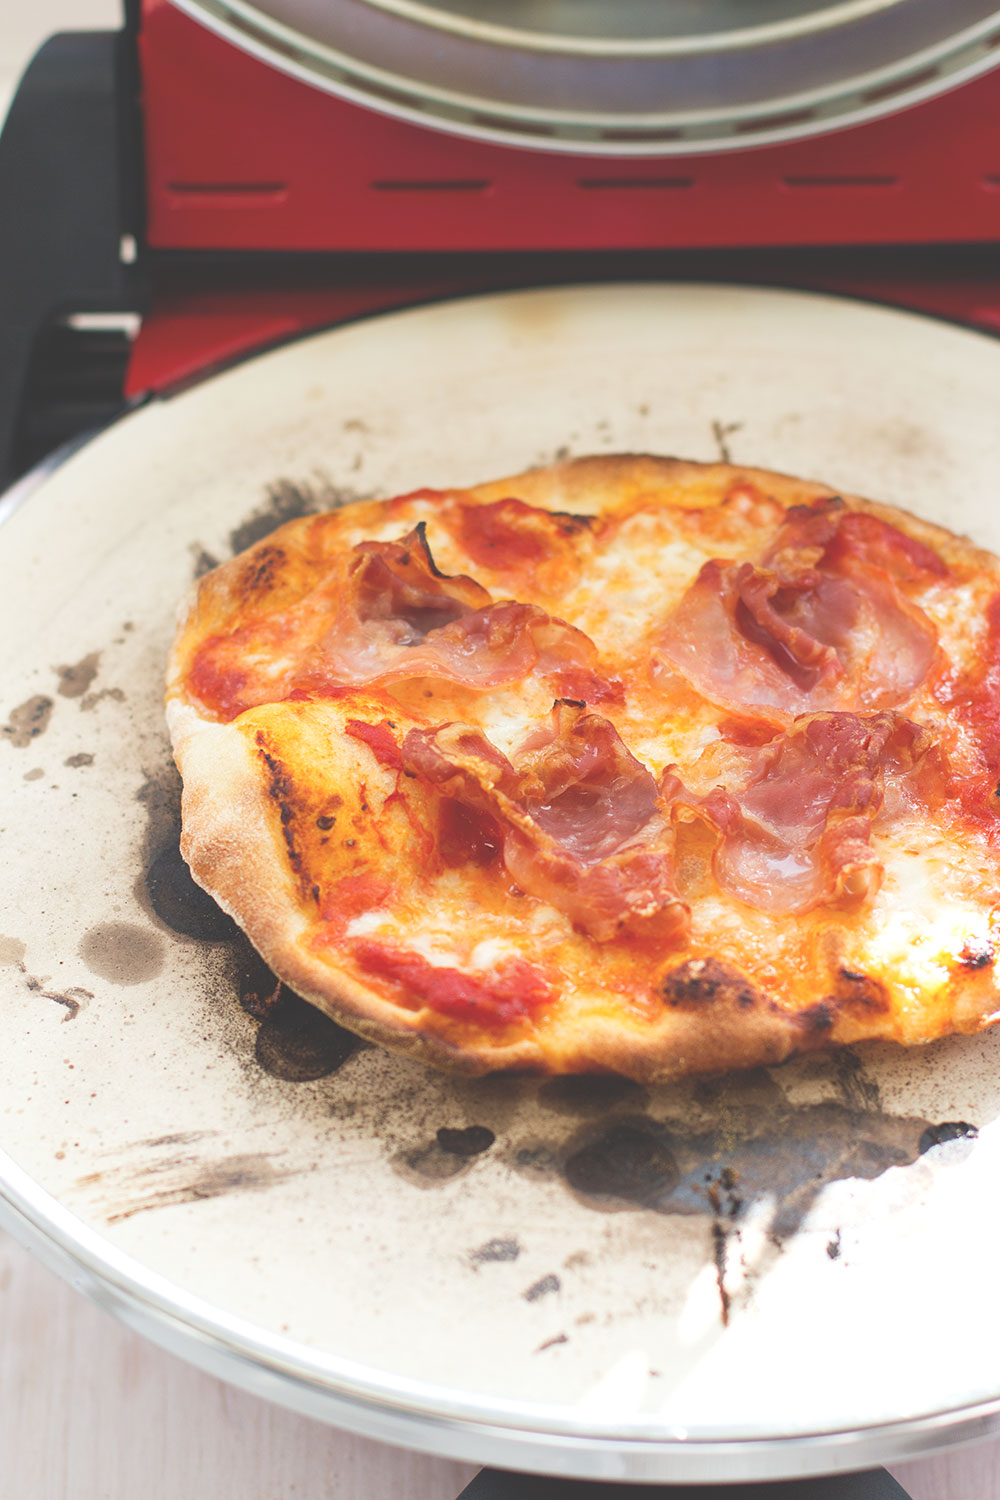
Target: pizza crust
x=730 y=998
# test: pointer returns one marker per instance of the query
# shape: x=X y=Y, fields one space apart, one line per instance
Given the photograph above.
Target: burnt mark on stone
x=589 y=1093
x=858 y=1091
x=472 y=1140
x=74 y=1000
x=948 y=1130
x=176 y=1138
x=184 y=1180
x=287 y=500
x=122 y=952
x=495 y=1251
x=719 y=1256
x=765 y=1149
x=721 y=432
x=28 y=721
x=180 y=903
x=76 y=679
x=204 y=561
x=536 y=1159
x=629 y=1163
x=542 y=1288
x=256 y=987
x=80 y=759
x=298 y=1043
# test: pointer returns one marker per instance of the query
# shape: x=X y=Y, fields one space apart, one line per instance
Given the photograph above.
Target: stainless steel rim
x=554 y=1441
x=865 y=96
x=677 y=46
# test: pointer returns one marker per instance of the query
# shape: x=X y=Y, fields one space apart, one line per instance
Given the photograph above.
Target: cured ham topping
x=822 y=623
x=794 y=826
x=578 y=816
x=386 y=615
x=512 y=991
x=973 y=701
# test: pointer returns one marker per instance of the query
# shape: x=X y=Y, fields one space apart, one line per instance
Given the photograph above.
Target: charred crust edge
x=709 y=981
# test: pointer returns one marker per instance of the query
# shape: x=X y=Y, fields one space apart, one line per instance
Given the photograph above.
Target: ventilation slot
x=432 y=185
x=625 y=135
x=900 y=86
x=630 y=184
x=774 y=122
x=861 y=180
x=228 y=189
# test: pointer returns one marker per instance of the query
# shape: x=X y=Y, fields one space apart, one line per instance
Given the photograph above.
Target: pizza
x=624 y=764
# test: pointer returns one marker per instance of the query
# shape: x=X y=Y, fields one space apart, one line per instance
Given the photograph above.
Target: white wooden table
x=90 y=1411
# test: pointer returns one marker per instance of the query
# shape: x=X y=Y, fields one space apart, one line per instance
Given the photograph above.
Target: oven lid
x=623 y=79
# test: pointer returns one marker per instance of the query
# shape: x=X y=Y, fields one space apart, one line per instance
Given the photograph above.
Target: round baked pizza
x=625 y=764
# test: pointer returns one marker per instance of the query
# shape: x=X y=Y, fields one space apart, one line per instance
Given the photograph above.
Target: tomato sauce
x=514 y=991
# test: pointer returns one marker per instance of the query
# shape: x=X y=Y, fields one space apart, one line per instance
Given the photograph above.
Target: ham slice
x=823 y=623
x=388 y=614
x=794 y=825
x=578 y=816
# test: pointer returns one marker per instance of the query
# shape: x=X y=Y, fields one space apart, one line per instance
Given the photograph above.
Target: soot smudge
x=298 y=1043
x=785 y=1153
x=473 y=1140
x=181 y=904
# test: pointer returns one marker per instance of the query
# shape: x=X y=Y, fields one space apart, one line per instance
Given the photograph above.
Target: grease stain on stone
x=12 y=951
x=80 y=759
x=35 y=775
x=427 y=1165
x=123 y=952
x=28 y=721
x=76 y=679
x=89 y=701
